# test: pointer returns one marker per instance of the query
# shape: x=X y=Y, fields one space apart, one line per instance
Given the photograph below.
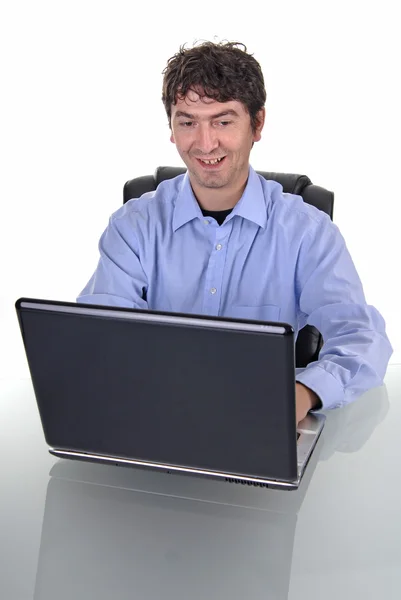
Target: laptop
x=182 y=393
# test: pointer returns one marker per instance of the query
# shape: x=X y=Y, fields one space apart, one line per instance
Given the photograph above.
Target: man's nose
x=206 y=140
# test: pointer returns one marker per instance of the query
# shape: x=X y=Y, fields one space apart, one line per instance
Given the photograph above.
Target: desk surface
x=85 y=531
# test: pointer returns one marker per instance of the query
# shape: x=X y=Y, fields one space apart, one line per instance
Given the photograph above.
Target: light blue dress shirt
x=274 y=258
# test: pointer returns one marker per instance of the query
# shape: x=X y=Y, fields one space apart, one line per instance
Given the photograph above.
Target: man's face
x=214 y=139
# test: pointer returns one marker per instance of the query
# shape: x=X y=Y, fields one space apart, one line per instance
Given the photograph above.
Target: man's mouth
x=211 y=162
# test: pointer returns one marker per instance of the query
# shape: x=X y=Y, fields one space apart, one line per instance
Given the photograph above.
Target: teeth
x=212 y=162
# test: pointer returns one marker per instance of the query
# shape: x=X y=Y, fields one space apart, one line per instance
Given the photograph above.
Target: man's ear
x=172 y=140
x=260 y=121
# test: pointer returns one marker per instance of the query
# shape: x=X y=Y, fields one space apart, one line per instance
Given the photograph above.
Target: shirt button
x=206 y=222
x=219 y=247
x=213 y=291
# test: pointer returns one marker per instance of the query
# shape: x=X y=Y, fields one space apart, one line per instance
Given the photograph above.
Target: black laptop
x=183 y=393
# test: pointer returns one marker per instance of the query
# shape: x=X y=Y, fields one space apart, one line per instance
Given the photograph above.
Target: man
x=221 y=240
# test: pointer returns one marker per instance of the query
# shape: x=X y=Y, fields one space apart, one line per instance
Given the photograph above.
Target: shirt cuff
x=324 y=384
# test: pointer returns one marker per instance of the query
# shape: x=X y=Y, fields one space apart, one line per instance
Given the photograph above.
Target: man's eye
x=186 y=123
x=224 y=123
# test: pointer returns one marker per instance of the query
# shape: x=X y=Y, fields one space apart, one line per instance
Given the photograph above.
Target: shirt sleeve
x=119 y=279
x=356 y=349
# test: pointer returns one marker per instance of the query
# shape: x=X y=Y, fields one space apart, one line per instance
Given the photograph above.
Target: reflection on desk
x=83 y=530
x=160 y=535
x=114 y=531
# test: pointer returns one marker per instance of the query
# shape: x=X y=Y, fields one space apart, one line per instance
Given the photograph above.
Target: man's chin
x=212 y=180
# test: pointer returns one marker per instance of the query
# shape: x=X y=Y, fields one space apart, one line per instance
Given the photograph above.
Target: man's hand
x=305 y=400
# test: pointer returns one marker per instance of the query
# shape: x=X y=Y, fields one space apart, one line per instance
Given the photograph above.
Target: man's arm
x=356 y=350
x=119 y=279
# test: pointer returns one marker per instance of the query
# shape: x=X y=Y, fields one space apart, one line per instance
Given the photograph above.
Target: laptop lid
x=215 y=395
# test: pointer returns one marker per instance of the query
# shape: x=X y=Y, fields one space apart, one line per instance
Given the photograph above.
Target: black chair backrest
x=309 y=340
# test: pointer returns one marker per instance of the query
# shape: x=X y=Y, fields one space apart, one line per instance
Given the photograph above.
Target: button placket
x=215 y=271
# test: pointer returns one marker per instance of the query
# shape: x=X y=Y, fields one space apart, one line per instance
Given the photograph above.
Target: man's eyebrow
x=224 y=113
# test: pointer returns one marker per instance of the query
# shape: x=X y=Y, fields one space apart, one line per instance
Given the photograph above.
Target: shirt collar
x=186 y=206
x=251 y=205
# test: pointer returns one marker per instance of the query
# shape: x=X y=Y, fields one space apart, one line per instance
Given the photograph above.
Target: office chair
x=309 y=340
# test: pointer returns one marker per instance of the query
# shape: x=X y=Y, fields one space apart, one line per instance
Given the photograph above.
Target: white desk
x=85 y=531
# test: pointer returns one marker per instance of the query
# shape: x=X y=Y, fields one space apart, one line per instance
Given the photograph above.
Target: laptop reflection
x=116 y=532
x=130 y=533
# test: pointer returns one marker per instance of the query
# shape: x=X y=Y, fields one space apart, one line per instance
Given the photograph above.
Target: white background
x=81 y=113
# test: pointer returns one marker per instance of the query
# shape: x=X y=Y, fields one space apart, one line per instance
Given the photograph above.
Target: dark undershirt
x=219 y=215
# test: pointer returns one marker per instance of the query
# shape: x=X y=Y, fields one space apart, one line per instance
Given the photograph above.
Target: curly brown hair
x=222 y=71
